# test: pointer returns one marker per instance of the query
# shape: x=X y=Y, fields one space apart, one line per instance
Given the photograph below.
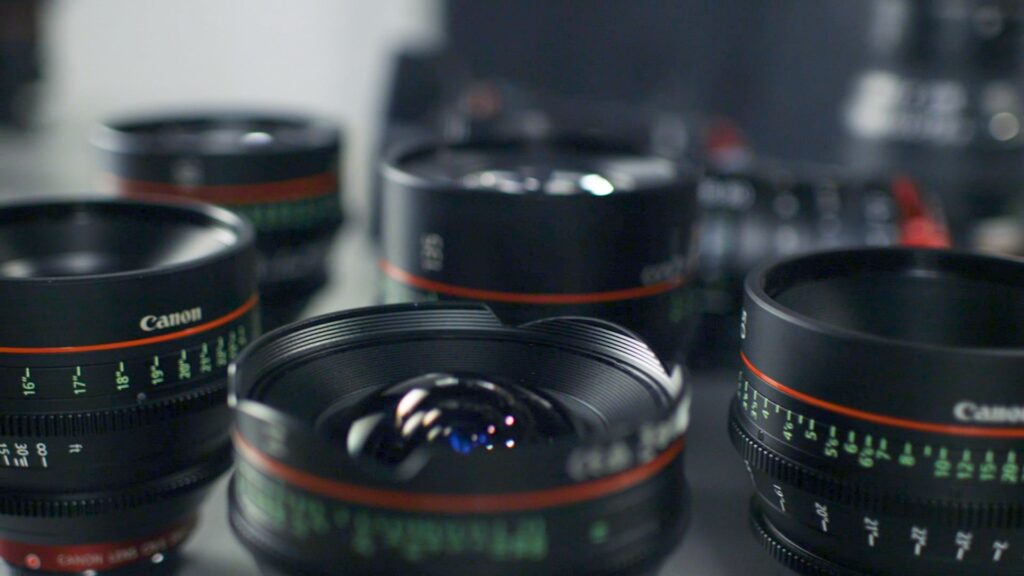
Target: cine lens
x=432 y=439
x=879 y=411
x=119 y=319
x=570 y=226
x=280 y=172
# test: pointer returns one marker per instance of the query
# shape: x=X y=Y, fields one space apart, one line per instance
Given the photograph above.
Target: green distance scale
x=302 y=214
x=130 y=371
x=844 y=443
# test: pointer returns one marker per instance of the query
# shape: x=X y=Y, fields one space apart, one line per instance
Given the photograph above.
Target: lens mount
x=880 y=411
x=606 y=479
x=113 y=375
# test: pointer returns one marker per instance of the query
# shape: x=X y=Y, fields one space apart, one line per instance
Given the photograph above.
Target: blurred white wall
x=327 y=56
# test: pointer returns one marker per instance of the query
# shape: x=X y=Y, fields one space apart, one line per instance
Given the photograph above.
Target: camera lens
x=756 y=216
x=280 y=172
x=569 y=226
x=119 y=319
x=879 y=411
x=431 y=439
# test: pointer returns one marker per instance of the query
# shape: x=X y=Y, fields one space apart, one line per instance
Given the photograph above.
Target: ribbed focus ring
x=168 y=488
x=871 y=499
x=116 y=420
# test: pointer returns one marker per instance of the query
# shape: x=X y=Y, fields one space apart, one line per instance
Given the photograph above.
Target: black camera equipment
x=880 y=412
x=118 y=322
x=432 y=439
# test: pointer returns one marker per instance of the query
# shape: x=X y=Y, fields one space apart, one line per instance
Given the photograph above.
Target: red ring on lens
x=932 y=427
x=460 y=503
x=237 y=194
x=400 y=275
x=217 y=323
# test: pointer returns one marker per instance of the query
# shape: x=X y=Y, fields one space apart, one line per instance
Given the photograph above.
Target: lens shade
x=114 y=422
x=602 y=477
x=562 y=227
x=878 y=409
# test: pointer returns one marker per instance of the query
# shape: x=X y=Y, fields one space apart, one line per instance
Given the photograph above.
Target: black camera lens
x=880 y=412
x=756 y=216
x=568 y=226
x=432 y=439
x=119 y=319
x=280 y=172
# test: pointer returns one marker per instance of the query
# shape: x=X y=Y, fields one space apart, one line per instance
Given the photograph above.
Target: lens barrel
x=881 y=413
x=569 y=226
x=431 y=439
x=118 y=323
x=281 y=172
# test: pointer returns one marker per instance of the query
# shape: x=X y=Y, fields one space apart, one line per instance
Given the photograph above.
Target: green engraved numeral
x=78 y=387
x=851 y=443
x=989 y=470
x=205 y=360
x=965 y=467
x=221 y=353
x=1010 y=472
x=156 y=374
x=28 y=387
x=907 y=457
x=121 y=379
x=943 y=467
x=184 y=367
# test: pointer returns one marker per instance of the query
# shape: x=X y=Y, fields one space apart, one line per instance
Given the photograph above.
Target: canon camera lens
x=432 y=439
x=119 y=319
x=881 y=412
x=281 y=172
x=540 y=229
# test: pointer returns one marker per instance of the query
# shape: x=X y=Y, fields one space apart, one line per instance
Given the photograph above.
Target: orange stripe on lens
x=458 y=504
x=229 y=317
x=415 y=281
x=238 y=194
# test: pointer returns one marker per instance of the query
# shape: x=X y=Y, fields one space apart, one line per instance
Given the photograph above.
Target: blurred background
x=877 y=91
